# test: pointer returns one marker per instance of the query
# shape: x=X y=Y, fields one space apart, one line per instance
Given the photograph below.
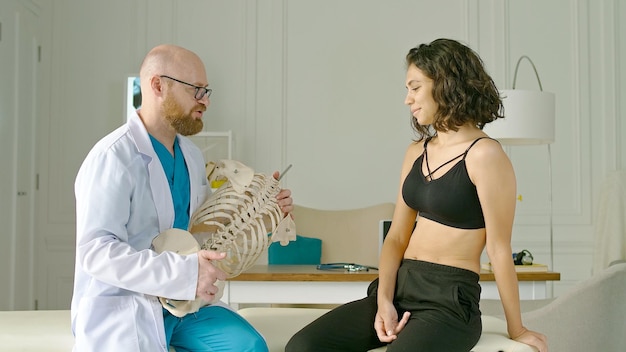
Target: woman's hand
x=537 y=340
x=386 y=322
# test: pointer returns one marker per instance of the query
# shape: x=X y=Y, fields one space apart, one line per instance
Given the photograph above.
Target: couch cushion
x=37 y=330
x=49 y=330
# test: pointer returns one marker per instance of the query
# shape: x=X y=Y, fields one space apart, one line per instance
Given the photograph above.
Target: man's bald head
x=173 y=61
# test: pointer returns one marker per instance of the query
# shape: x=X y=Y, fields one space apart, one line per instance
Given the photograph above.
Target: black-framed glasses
x=200 y=91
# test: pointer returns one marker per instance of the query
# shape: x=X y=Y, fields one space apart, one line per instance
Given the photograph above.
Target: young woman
x=460 y=187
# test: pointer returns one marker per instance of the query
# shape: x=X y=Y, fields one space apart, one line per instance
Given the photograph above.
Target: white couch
x=49 y=330
x=590 y=317
x=37 y=330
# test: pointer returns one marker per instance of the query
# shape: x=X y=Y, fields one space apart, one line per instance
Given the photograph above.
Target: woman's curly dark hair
x=461 y=86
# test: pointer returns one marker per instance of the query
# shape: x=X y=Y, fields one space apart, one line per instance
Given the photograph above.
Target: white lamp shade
x=528 y=118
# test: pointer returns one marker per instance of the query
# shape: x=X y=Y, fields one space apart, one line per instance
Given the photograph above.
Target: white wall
x=320 y=84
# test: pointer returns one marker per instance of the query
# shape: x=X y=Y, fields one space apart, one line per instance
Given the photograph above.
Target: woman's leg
x=431 y=334
x=349 y=327
x=213 y=328
x=443 y=302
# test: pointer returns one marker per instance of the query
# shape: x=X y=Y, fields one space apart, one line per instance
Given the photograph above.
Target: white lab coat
x=123 y=201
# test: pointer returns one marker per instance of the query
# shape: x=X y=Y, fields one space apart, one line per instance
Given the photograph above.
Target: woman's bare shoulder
x=486 y=149
x=415 y=149
x=487 y=161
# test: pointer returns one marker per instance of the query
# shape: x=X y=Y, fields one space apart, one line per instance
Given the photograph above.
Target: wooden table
x=302 y=284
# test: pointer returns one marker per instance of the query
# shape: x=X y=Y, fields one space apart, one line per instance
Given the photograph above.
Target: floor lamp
x=528 y=120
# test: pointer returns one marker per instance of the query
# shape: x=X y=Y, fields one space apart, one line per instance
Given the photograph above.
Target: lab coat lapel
x=159 y=186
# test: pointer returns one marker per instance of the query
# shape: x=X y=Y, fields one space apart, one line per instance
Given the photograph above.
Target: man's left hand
x=285 y=202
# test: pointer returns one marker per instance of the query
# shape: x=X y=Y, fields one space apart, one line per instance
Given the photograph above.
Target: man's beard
x=182 y=122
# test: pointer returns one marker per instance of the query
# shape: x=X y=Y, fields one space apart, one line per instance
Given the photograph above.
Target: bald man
x=140 y=180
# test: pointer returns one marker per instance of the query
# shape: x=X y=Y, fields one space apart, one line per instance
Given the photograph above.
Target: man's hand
x=285 y=202
x=208 y=274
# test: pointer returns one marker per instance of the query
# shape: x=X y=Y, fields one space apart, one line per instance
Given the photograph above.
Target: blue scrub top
x=178 y=178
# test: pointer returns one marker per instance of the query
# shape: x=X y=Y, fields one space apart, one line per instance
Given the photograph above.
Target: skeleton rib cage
x=240 y=224
x=241 y=218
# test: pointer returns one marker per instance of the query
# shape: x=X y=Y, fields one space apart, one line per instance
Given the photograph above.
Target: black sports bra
x=451 y=199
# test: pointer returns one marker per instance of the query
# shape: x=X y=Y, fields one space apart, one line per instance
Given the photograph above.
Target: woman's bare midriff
x=437 y=243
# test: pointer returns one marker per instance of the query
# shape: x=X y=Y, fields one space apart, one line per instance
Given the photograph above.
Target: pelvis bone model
x=241 y=218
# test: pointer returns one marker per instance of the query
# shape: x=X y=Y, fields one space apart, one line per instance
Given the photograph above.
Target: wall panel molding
x=270 y=127
x=619 y=14
x=580 y=211
x=571 y=180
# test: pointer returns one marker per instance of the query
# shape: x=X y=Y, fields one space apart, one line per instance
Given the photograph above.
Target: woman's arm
x=392 y=252
x=494 y=177
x=398 y=235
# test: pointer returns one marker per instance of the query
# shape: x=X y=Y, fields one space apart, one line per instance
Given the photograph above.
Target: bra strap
x=471 y=145
x=426 y=157
x=430 y=173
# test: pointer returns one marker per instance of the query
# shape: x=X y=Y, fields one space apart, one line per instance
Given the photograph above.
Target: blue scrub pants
x=212 y=329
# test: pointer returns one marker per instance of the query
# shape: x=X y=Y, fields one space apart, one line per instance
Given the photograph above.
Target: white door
x=18 y=84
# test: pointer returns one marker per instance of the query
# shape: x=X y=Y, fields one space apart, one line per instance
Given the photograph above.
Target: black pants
x=445 y=315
